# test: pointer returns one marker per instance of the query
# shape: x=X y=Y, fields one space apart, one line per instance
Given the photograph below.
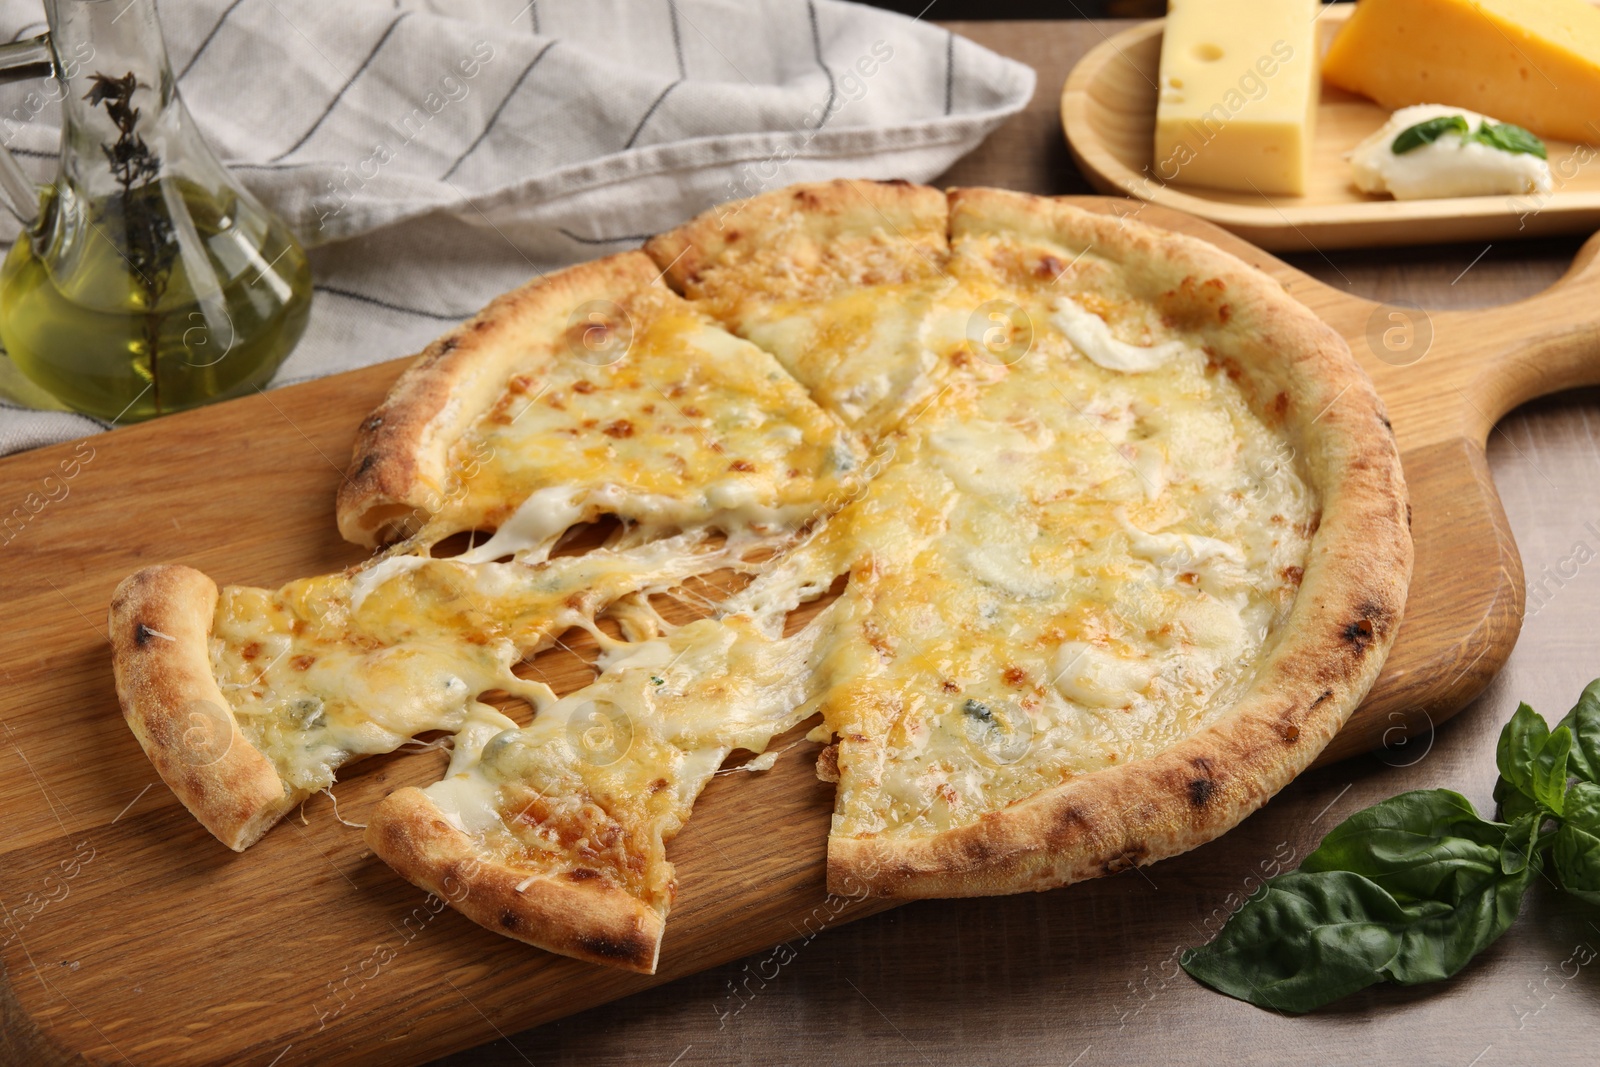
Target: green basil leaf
x=1408 y=891
x=1436 y=945
x=1511 y=802
x=1576 y=851
x=1414 y=137
x=1521 y=840
x=1304 y=941
x=1509 y=138
x=1584 y=722
x=1550 y=770
x=1518 y=748
x=1312 y=937
x=1428 y=844
x=1577 y=861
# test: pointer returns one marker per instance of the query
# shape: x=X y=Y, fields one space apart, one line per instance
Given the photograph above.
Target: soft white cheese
x=1450 y=166
x=1090 y=335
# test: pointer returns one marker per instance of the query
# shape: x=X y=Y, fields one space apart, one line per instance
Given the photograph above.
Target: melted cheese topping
x=327 y=669
x=1074 y=563
x=1072 y=540
x=843 y=316
x=680 y=425
x=605 y=776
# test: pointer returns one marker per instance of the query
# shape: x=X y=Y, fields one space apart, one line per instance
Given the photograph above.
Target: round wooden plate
x=1108 y=110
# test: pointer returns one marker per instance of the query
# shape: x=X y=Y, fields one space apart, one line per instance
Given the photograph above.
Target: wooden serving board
x=1108 y=110
x=129 y=935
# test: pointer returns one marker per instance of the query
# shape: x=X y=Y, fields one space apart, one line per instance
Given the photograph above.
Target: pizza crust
x=588 y=919
x=1328 y=652
x=160 y=623
x=827 y=210
x=399 y=465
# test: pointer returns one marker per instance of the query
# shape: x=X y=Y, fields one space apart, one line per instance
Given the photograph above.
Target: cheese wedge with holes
x=1535 y=63
x=1238 y=94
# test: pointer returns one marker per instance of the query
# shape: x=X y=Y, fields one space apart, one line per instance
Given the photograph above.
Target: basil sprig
x=1502 y=135
x=1414 y=137
x=1411 y=889
x=1509 y=138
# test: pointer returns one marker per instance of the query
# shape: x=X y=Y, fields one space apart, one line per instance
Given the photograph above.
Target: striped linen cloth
x=433 y=154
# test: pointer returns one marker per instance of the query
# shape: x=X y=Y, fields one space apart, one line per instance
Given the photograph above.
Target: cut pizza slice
x=1153 y=567
x=596 y=391
x=836 y=279
x=555 y=834
x=248 y=700
x=705 y=451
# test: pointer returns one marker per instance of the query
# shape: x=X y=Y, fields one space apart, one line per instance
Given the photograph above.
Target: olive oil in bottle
x=124 y=344
x=146 y=280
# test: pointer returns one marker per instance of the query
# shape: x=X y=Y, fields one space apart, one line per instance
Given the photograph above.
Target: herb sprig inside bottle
x=151 y=245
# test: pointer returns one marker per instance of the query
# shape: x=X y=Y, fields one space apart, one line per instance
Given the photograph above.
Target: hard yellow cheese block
x=1532 y=62
x=1238 y=94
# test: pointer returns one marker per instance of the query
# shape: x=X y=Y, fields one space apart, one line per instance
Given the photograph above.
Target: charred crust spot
x=895 y=181
x=1408 y=514
x=1387 y=425
x=1279 y=406
x=372 y=423
x=1359 y=634
x=1200 y=790
x=733 y=237
x=508 y=919
x=141 y=634
x=366 y=463
x=1326 y=695
x=582 y=874
x=611 y=949
x=449 y=344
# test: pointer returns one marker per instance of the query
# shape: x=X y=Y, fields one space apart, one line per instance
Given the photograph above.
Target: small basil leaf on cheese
x=1414 y=137
x=1508 y=138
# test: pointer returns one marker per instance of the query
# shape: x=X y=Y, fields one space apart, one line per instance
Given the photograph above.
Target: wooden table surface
x=1088 y=975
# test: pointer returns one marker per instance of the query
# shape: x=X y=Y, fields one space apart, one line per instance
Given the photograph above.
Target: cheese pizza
x=1077 y=540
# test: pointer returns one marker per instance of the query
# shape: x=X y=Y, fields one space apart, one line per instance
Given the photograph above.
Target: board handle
x=1538 y=346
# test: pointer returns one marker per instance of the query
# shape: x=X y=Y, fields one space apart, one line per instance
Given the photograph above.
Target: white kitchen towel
x=433 y=153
